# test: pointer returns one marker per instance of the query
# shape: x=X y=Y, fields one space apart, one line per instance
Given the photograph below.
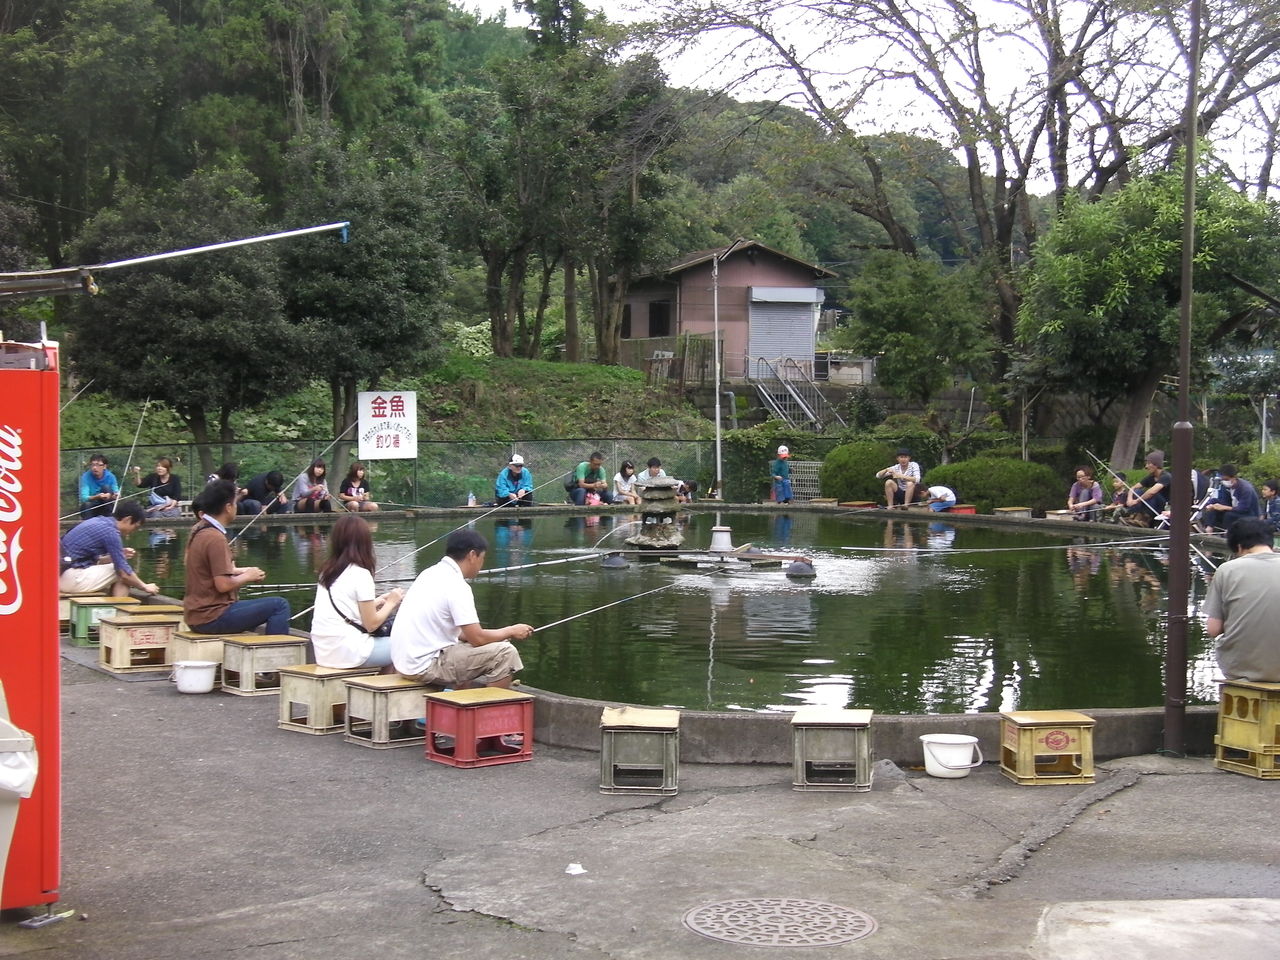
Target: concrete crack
x=1015 y=857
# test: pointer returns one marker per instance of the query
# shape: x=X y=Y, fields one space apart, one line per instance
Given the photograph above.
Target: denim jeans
x=245 y=615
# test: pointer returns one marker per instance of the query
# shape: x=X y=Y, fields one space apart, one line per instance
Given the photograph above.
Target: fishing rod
x=129 y=460
x=1131 y=488
x=123 y=496
x=416 y=551
x=491 y=510
x=266 y=506
x=547 y=626
x=77 y=393
x=1054 y=546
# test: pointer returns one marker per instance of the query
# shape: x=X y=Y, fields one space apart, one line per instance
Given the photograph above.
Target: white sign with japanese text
x=388 y=425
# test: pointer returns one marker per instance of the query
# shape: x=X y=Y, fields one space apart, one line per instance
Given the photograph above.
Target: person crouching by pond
x=351 y=626
x=437 y=637
x=354 y=492
x=166 y=490
x=1084 y=499
x=213 y=581
x=311 y=491
x=514 y=485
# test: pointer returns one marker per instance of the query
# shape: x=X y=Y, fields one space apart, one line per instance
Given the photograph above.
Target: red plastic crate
x=470 y=716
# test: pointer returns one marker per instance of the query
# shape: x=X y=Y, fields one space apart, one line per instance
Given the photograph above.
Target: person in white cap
x=782 y=476
x=514 y=486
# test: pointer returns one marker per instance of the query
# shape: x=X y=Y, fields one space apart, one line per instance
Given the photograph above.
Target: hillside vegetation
x=464 y=399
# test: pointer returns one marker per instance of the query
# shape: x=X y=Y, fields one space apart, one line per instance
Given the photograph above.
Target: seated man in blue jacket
x=514 y=486
x=1237 y=500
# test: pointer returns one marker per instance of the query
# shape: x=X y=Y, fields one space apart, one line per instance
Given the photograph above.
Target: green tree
x=205 y=334
x=368 y=304
x=1102 y=298
x=925 y=326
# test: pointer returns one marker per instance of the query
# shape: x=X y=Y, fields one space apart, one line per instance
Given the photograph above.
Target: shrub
x=989 y=482
x=849 y=471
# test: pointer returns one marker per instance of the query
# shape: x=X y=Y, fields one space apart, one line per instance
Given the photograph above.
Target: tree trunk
x=499 y=330
x=226 y=435
x=198 y=424
x=571 y=345
x=1132 y=418
x=343 y=394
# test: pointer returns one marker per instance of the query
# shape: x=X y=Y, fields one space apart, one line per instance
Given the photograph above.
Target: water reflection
x=904 y=616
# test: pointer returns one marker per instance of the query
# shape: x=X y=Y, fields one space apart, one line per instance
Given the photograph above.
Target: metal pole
x=1183 y=492
x=715 y=347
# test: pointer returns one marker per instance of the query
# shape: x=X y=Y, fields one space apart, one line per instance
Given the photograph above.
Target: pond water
x=903 y=616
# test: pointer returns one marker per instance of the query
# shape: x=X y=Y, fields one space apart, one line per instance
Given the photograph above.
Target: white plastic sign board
x=388 y=425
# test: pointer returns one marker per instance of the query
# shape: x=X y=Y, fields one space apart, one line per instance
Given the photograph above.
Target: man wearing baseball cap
x=782 y=477
x=514 y=486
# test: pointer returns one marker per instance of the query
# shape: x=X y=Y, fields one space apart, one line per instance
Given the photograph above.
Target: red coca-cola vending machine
x=29 y=484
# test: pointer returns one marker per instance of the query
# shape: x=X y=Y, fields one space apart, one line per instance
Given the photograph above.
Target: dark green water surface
x=909 y=621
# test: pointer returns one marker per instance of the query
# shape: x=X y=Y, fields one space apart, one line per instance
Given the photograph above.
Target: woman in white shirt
x=624 y=484
x=348 y=613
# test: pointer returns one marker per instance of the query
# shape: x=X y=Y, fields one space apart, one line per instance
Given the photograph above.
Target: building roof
x=690 y=260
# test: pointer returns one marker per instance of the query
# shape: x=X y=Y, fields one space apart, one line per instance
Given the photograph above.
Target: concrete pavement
x=194 y=828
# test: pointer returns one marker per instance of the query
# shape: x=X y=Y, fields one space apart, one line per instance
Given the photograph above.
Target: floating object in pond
x=722 y=539
x=801 y=568
x=615 y=561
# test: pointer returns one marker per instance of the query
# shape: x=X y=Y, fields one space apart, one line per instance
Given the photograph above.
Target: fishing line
x=547 y=626
x=129 y=462
x=1056 y=546
x=1155 y=514
x=123 y=496
x=415 y=552
x=318 y=456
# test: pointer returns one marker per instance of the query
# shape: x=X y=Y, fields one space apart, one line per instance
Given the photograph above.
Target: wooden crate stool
x=832 y=749
x=313 y=699
x=251 y=664
x=472 y=717
x=189 y=645
x=1046 y=746
x=381 y=711
x=1248 y=737
x=134 y=644
x=1017 y=513
x=86 y=610
x=639 y=751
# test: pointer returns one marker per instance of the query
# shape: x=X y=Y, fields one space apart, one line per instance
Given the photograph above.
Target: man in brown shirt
x=210 y=604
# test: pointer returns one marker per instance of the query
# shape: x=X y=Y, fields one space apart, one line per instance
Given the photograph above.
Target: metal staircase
x=790 y=394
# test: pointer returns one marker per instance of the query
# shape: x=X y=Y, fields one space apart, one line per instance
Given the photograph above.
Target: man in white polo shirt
x=437 y=637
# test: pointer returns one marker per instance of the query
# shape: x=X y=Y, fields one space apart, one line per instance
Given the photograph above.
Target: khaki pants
x=95 y=579
x=461 y=663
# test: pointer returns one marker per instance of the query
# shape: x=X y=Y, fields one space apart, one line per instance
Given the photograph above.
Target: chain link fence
x=442 y=474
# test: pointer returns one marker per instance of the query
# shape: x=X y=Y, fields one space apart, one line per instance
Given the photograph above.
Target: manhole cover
x=779 y=922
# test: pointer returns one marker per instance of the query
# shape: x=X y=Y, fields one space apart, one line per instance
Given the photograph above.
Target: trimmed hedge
x=849 y=471
x=989 y=482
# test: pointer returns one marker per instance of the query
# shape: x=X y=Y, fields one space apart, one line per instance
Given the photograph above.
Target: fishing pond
x=904 y=616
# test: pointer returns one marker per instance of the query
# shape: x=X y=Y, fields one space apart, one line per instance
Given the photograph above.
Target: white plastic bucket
x=950 y=755
x=194 y=676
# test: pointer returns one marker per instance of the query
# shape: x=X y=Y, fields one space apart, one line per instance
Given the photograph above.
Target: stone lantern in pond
x=659 y=507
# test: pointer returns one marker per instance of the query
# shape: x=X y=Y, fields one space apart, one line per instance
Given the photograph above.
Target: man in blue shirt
x=94 y=558
x=514 y=485
x=98 y=488
x=1237 y=500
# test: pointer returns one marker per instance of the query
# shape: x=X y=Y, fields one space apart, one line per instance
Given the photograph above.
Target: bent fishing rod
x=1130 y=487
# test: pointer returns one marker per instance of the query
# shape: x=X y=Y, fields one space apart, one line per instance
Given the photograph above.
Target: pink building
x=769 y=304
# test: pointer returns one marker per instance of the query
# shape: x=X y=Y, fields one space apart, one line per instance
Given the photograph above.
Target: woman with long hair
x=350 y=627
x=354 y=492
x=311 y=492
